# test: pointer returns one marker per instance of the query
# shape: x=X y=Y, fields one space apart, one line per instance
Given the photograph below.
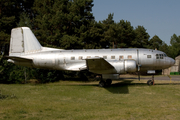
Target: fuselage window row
x=112 y=57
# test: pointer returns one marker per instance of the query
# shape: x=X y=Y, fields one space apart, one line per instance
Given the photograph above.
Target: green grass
x=80 y=100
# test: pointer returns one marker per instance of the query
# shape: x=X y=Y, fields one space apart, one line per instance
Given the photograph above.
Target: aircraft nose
x=172 y=61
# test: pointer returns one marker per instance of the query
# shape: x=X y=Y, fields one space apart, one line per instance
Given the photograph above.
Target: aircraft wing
x=99 y=65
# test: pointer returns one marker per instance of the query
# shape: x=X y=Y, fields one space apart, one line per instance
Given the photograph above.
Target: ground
x=125 y=99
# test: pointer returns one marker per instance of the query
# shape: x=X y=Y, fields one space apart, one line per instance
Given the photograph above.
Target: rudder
x=23 y=41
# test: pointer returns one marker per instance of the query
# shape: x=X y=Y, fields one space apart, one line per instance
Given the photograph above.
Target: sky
x=158 y=17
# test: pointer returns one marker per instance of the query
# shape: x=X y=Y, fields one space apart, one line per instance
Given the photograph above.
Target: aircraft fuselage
x=75 y=60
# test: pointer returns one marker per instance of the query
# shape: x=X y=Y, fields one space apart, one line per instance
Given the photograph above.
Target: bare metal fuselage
x=25 y=50
x=74 y=60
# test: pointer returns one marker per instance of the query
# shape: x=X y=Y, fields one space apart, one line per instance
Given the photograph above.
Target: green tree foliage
x=8 y=18
x=142 y=38
x=25 y=21
x=93 y=36
x=174 y=48
x=10 y=11
x=121 y=34
x=125 y=34
x=165 y=48
x=61 y=23
x=10 y=73
x=44 y=75
x=155 y=42
x=109 y=31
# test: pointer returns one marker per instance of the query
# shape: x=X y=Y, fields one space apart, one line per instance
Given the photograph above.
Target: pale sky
x=159 y=17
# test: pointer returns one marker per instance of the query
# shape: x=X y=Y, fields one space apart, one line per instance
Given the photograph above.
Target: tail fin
x=23 y=41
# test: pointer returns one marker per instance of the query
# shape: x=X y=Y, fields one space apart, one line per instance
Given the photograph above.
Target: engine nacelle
x=125 y=66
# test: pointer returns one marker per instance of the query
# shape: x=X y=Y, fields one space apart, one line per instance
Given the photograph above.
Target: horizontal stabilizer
x=19 y=59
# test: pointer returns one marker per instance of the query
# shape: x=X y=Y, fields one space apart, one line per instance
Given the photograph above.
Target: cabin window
x=105 y=57
x=121 y=57
x=72 y=58
x=129 y=56
x=88 y=56
x=148 y=56
x=161 y=56
x=112 y=57
x=80 y=57
x=157 y=56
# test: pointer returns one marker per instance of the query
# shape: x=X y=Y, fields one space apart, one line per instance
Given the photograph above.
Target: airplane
x=25 y=50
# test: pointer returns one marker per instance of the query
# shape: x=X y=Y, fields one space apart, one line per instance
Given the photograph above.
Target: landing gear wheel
x=108 y=82
x=102 y=83
x=150 y=82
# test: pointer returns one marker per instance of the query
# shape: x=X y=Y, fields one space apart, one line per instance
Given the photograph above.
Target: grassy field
x=85 y=100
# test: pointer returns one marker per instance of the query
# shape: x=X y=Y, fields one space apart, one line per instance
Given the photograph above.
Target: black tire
x=102 y=83
x=150 y=82
x=108 y=82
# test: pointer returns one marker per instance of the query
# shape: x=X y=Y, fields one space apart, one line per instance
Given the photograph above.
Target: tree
x=45 y=75
x=109 y=31
x=10 y=73
x=25 y=21
x=165 y=48
x=155 y=42
x=120 y=34
x=61 y=23
x=10 y=10
x=126 y=34
x=142 y=38
x=93 y=36
x=174 y=48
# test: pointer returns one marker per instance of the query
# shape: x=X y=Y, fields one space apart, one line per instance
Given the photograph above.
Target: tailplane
x=23 y=41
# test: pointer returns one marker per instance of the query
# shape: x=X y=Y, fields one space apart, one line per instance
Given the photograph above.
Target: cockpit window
x=165 y=55
x=159 y=56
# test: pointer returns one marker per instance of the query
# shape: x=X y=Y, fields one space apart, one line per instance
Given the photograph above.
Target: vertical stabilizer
x=23 y=41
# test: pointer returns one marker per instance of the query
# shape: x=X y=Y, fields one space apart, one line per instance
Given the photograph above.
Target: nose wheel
x=151 y=82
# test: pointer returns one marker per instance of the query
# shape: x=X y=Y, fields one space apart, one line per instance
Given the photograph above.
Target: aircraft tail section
x=23 y=41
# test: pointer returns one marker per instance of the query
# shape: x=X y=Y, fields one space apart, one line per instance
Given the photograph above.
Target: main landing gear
x=151 y=82
x=103 y=83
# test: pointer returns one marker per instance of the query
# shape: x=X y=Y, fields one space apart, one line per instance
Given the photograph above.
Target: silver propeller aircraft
x=25 y=50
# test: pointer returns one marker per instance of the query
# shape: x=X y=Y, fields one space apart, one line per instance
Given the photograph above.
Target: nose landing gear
x=151 y=82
